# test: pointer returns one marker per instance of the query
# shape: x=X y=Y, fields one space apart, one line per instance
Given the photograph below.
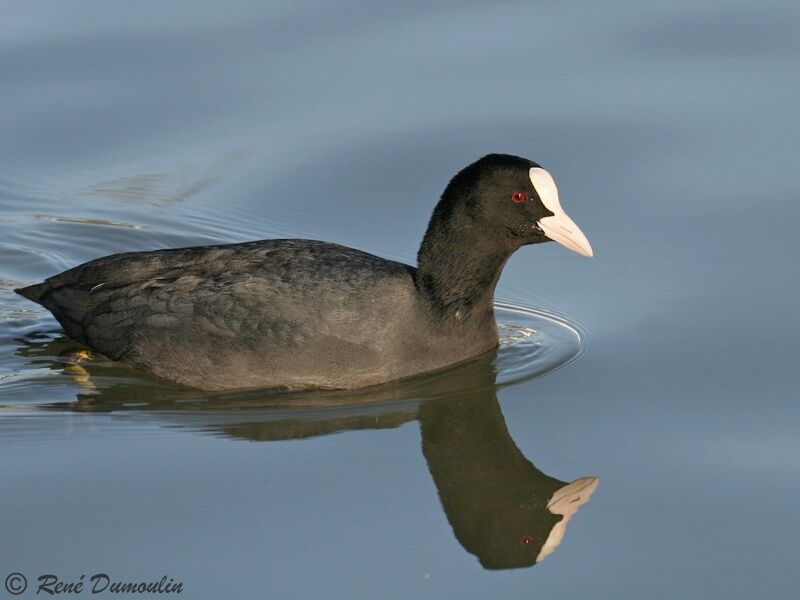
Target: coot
x=305 y=314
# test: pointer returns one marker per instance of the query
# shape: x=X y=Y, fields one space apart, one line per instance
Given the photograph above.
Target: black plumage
x=305 y=314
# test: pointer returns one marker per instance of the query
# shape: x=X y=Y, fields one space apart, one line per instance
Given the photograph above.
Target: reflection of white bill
x=566 y=502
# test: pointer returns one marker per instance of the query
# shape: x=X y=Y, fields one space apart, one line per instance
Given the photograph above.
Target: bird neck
x=458 y=279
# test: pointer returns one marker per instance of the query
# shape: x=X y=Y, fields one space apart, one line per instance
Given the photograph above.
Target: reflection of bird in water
x=501 y=507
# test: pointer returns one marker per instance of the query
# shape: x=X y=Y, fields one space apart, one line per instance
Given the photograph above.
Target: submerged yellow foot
x=79 y=374
x=81 y=355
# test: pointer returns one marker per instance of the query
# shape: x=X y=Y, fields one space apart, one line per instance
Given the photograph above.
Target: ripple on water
x=532 y=343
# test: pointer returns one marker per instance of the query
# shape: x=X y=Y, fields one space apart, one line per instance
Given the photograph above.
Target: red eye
x=518 y=197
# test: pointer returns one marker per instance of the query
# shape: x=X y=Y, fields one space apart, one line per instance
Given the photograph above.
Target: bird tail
x=34 y=292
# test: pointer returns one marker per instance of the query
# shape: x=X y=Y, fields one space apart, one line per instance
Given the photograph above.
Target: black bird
x=306 y=314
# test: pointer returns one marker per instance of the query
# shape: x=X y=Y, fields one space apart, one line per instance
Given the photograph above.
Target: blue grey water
x=672 y=130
